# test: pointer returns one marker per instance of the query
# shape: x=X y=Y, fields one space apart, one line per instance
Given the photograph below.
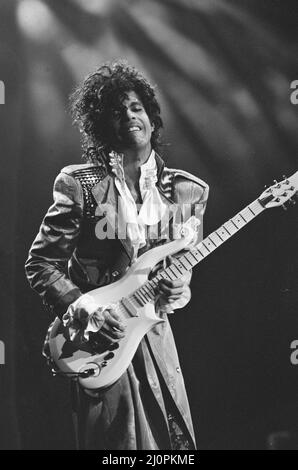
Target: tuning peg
x=291 y=201
x=286 y=179
x=284 y=207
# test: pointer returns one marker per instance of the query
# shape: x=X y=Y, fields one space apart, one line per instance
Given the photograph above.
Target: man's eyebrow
x=136 y=102
x=132 y=103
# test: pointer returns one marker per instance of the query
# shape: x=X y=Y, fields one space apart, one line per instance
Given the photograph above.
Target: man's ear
x=152 y=126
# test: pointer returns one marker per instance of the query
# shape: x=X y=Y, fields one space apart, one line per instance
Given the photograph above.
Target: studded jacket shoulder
x=176 y=184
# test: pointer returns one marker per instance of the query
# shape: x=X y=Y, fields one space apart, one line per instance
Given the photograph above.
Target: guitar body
x=100 y=369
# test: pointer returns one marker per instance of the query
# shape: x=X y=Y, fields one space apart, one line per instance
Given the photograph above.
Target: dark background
x=223 y=70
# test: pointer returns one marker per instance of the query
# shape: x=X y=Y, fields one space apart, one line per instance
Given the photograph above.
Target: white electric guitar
x=96 y=365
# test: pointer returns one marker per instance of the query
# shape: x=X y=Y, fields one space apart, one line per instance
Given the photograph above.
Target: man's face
x=131 y=125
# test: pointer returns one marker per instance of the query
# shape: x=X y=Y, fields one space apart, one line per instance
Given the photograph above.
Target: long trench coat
x=147 y=408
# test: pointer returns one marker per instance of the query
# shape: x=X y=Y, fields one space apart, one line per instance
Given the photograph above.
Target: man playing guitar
x=76 y=252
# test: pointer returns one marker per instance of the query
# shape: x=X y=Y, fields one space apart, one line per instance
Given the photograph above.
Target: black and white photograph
x=149 y=268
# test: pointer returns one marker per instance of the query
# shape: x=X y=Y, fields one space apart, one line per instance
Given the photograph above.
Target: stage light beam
x=36 y=20
x=97 y=7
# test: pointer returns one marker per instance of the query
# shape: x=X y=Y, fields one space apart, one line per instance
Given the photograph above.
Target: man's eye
x=137 y=108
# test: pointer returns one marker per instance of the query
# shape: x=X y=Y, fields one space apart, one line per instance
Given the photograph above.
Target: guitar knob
x=87 y=373
x=109 y=356
x=284 y=207
x=91 y=369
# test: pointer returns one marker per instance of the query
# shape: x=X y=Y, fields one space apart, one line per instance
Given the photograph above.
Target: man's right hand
x=107 y=323
x=83 y=317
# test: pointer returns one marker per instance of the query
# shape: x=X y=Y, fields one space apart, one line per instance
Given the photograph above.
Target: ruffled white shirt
x=152 y=208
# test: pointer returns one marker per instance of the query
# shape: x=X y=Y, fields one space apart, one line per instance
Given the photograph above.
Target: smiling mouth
x=134 y=129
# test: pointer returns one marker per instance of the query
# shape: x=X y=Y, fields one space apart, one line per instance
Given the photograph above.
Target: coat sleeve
x=191 y=194
x=47 y=265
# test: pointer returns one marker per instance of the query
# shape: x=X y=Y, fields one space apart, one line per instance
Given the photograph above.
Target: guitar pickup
x=129 y=307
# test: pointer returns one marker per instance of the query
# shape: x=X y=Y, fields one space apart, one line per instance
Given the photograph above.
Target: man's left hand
x=172 y=290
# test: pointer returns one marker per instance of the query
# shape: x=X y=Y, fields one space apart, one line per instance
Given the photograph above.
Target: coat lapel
x=106 y=197
x=166 y=224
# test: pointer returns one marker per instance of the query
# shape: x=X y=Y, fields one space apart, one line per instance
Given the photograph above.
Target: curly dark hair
x=101 y=94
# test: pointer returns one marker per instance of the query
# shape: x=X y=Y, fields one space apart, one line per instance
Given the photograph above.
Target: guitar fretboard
x=147 y=292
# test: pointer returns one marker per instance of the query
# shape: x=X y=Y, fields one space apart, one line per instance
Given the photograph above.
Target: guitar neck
x=191 y=258
x=219 y=236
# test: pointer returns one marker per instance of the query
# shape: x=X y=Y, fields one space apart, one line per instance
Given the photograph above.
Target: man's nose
x=128 y=114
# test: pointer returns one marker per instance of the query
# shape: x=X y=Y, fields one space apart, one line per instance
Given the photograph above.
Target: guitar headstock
x=280 y=192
